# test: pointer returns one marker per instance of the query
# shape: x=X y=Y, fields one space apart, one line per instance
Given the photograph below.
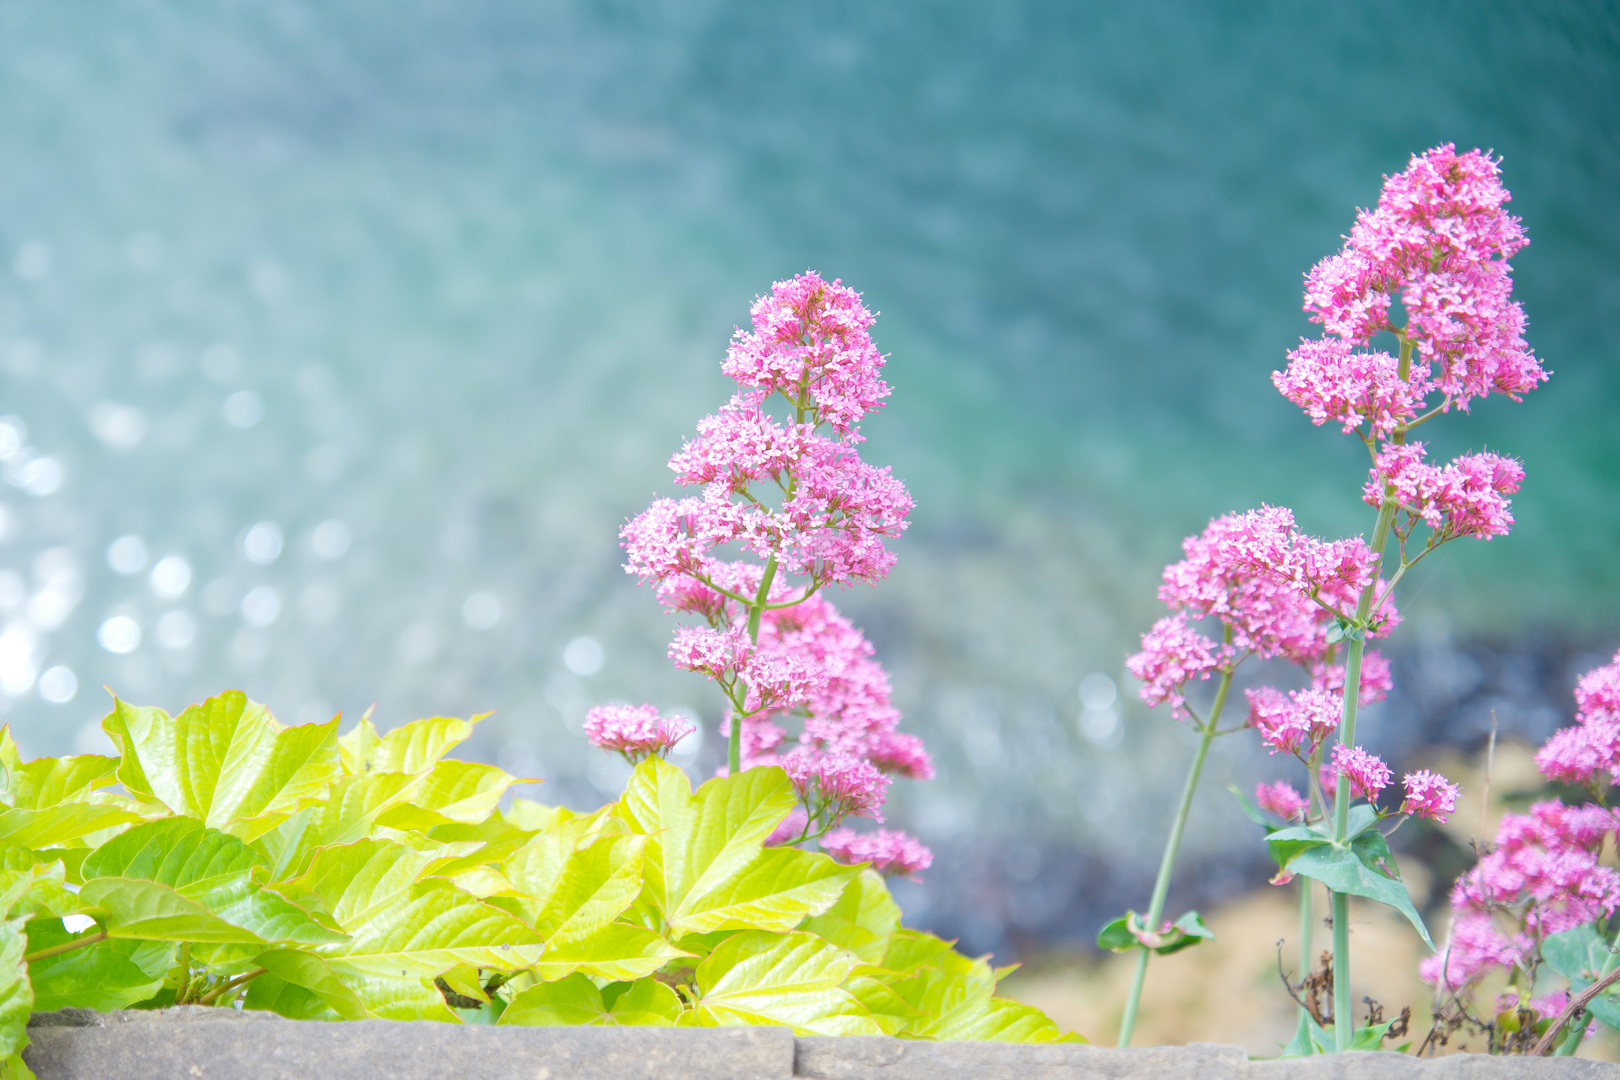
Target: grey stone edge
x=190 y=1042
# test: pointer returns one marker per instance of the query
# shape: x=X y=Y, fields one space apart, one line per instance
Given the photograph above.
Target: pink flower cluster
x=1588 y=754
x=1543 y=875
x=1245 y=571
x=1281 y=799
x=1297 y=722
x=791 y=492
x=890 y=853
x=1468 y=497
x=1330 y=573
x=636 y=731
x=1429 y=795
x=1367 y=772
x=833 y=512
x=1441 y=240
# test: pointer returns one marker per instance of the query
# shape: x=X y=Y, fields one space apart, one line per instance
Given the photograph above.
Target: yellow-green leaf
x=303 y=969
x=576 y=1000
x=616 y=951
x=59 y=824
x=16 y=992
x=794 y=980
x=407 y=928
x=225 y=762
x=576 y=893
x=410 y=748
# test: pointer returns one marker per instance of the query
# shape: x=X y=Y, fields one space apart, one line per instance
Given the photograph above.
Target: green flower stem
x=1161 y=886
x=755 y=610
x=226 y=987
x=1307 y=927
x=1344 y=1024
x=66 y=946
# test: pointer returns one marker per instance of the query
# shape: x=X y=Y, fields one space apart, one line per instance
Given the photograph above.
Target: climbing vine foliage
x=225 y=859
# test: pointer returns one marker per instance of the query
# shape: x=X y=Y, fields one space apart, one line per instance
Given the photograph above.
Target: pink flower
x=890 y=853
x=636 y=731
x=1429 y=795
x=810 y=334
x=1266 y=616
x=1440 y=238
x=1296 y=723
x=791 y=828
x=1468 y=497
x=1330 y=381
x=1368 y=774
x=834 y=787
x=1332 y=573
x=1589 y=752
x=1281 y=799
x=902 y=754
x=1376 y=682
x=1172 y=654
x=1544 y=874
x=1474 y=946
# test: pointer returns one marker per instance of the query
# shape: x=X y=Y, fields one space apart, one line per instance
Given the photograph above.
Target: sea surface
x=339 y=339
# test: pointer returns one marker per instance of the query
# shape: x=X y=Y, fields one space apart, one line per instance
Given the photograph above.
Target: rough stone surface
x=185 y=1044
x=191 y=1042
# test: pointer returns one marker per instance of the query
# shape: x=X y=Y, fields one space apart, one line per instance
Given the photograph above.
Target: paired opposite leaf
x=1365 y=868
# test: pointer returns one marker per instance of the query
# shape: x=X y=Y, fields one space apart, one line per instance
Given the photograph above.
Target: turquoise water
x=457 y=277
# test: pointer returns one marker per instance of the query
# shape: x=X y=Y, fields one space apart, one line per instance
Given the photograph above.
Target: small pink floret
x=1368 y=774
x=1429 y=795
x=636 y=731
x=890 y=853
x=1281 y=799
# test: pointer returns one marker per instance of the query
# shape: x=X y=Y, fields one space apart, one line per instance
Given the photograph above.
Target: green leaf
x=176 y=879
x=1363 y=869
x=1582 y=955
x=16 y=993
x=410 y=748
x=452 y=791
x=887 y=1008
x=349 y=813
x=105 y=976
x=775 y=892
x=1260 y=817
x=308 y=971
x=1186 y=931
x=534 y=816
x=699 y=843
x=861 y=919
x=407 y=928
x=958 y=1006
x=616 y=951
x=39 y=890
x=578 y=895
x=794 y=980
x=225 y=762
x=576 y=1000
x=1116 y=934
x=59 y=824
x=47 y=782
x=912 y=950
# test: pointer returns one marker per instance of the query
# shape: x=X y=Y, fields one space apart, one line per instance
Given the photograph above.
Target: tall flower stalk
x=788 y=494
x=1438 y=241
